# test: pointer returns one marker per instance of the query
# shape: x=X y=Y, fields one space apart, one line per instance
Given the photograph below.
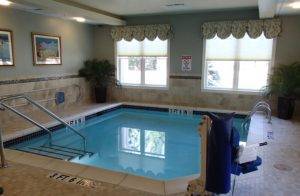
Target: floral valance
x=254 y=28
x=140 y=32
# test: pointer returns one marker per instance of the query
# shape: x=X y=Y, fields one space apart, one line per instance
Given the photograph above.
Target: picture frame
x=6 y=48
x=46 y=49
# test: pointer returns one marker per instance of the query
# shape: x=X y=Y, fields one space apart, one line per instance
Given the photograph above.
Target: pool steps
x=58 y=152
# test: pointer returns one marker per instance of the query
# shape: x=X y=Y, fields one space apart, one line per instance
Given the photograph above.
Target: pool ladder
x=4 y=106
x=259 y=106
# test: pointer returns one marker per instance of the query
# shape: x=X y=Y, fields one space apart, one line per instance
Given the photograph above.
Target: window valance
x=140 y=32
x=254 y=28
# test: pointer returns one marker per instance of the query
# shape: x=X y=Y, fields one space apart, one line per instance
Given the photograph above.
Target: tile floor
x=282 y=151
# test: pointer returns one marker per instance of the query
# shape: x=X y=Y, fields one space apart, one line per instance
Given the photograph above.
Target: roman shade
x=155 y=48
x=245 y=49
x=271 y=28
x=140 y=32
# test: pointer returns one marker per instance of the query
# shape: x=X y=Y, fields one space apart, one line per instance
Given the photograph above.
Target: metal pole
x=57 y=118
x=29 y=119
x=2 y=155
x=53 y=115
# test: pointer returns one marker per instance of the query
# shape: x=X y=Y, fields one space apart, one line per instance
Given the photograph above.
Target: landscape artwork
x=46 y=49
x=6 y=48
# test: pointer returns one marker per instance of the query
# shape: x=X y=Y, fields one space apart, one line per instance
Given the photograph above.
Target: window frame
x=143 y=86
x=236 y=73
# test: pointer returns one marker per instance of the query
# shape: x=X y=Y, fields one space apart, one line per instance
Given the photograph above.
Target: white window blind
x=142 y=63
x=245 y=49
x=155 y=48
x=237 y=64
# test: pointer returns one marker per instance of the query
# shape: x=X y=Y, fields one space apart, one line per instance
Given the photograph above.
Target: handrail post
x=2 y=154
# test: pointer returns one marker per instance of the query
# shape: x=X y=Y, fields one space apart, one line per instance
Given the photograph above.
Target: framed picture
x=6 y=48
x=46 y=49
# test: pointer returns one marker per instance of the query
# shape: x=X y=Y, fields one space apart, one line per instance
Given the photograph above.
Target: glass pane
x=156 y=71
x=253 y=75
x=129 y=70
x=220 y=74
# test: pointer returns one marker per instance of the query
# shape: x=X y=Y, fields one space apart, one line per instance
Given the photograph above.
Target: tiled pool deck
x=27 y=172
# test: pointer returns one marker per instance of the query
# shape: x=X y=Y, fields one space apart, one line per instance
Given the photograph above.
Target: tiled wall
x=185 y=92
x=43 y=90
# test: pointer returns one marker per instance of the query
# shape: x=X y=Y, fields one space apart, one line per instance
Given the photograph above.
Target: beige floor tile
x=144 y=184
x=178 y=185
x=33 y=160
x=10 y=155
x=65 y=167
x=102 y=175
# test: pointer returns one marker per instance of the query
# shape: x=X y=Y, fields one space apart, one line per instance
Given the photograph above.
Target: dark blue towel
x=219 y=152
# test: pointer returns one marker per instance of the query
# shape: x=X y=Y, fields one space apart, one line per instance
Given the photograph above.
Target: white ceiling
x=111 y=11
x=138 y=7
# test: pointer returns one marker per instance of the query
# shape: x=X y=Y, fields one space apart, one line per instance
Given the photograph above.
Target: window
x=142 y=63
x=237 y=64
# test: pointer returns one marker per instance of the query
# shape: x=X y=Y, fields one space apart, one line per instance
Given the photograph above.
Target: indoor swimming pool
x=153 y=144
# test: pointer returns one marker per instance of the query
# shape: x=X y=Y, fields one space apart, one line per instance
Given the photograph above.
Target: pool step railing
x=3 y=106
x=262 y=106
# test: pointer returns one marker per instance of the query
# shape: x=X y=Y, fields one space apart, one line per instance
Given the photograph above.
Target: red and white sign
x=186 y=62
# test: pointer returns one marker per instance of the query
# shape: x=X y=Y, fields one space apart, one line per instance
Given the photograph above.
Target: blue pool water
x=153 y=144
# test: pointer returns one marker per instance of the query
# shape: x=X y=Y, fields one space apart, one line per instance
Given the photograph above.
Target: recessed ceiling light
x=5 y=2
x=79 y=19
x=295 y=5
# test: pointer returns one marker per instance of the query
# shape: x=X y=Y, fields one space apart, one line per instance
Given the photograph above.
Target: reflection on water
x=130 y=140
x=155 y=143
x=146 y=142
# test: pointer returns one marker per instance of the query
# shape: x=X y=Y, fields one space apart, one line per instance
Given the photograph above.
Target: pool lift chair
x=246 y=160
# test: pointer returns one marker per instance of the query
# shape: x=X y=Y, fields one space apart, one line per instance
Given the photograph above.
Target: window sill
x=237 y=92
x=143 y=87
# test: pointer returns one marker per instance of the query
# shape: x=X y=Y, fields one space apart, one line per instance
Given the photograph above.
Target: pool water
x=153 y=144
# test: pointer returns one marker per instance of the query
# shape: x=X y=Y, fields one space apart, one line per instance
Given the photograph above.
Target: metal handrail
x=20 y=96
x=27 y=118
x=259 y=106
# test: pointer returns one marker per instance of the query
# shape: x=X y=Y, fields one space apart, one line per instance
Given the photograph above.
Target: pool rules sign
x=186 y=63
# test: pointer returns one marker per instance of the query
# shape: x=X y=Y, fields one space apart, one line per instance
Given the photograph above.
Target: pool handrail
x=259 y=106
x=23 y=96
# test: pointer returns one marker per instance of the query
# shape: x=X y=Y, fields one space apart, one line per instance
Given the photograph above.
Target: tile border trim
x=40 y=79
x=19 y=81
